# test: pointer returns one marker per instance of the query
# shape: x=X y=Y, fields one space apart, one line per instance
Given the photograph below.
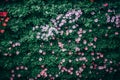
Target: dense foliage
x=61 y=40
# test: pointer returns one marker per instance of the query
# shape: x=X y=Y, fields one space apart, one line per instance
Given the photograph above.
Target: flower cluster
x=117 y=22
x=65 y=48
x=70 y=17
x=45 y=32
x=3 y=20
x=69 y=38
x=13 y=75
x=113 y=19
x=12 y=47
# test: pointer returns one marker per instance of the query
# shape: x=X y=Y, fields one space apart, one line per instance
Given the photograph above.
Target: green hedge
x=61 y=40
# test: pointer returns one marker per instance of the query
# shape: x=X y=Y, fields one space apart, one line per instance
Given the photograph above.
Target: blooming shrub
x=61 y=41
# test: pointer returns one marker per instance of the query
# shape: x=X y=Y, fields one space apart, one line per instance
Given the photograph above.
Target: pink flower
x=77 y=40
x=17 y=52
x=71 y=68
x=91 y=67
x=60 y=44
x=21 y=67
x=17 y=68
x=111 y=62
x=13 y=45
x=98 y=57
x=13 y=75
x=101 y=55
x=86 y=48
x=77 y=49
x=69 y=71
x=92 y=53
x=106 y=35
x=38 y=75
x=105 y=5
x=109 y=10
x=44 y=53
x=43 y=73
x=19 y=75
x=11 y=78
x=84 y=41
x=77 y=74
x=70 y=53
x=95 y=65
x=116 y=33
x=83 y=66
x=95 y=39
x=101 y=67
x=67 y=32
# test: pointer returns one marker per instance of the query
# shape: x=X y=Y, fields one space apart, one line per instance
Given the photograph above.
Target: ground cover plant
x=59 y=40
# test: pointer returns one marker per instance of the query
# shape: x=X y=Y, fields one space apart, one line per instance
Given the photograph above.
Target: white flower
x=37 y=37
x=73 y=26
x=81 y=70
x=40 y=59
x=63 y=50
x=80 y=35
x=38 y=33
x=17 y=52
x=95 y=20
x=84 y=31
x=92 y=13
x=84 y=41
x=63 y=60
x=59 y=16
x=70 y=31
x=36 y=27
x=33 y=28
x=40 y=51
x=10 y=42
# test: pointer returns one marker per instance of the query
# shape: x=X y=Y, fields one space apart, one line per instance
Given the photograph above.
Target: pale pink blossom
x=92 y=53
x=60 y=44
x=11 y=78
x=77 y=40
x=86 y=48
x=100 y=67
x=17 y=52
x=19 y=75
x=43 y=73
x=116 y=33
x=105 y=5
x=13 y=75
x=17 y=68
x=77 y=49
x=38 y=75
x=95 y=39
x=21 y=67
x=84 y=41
